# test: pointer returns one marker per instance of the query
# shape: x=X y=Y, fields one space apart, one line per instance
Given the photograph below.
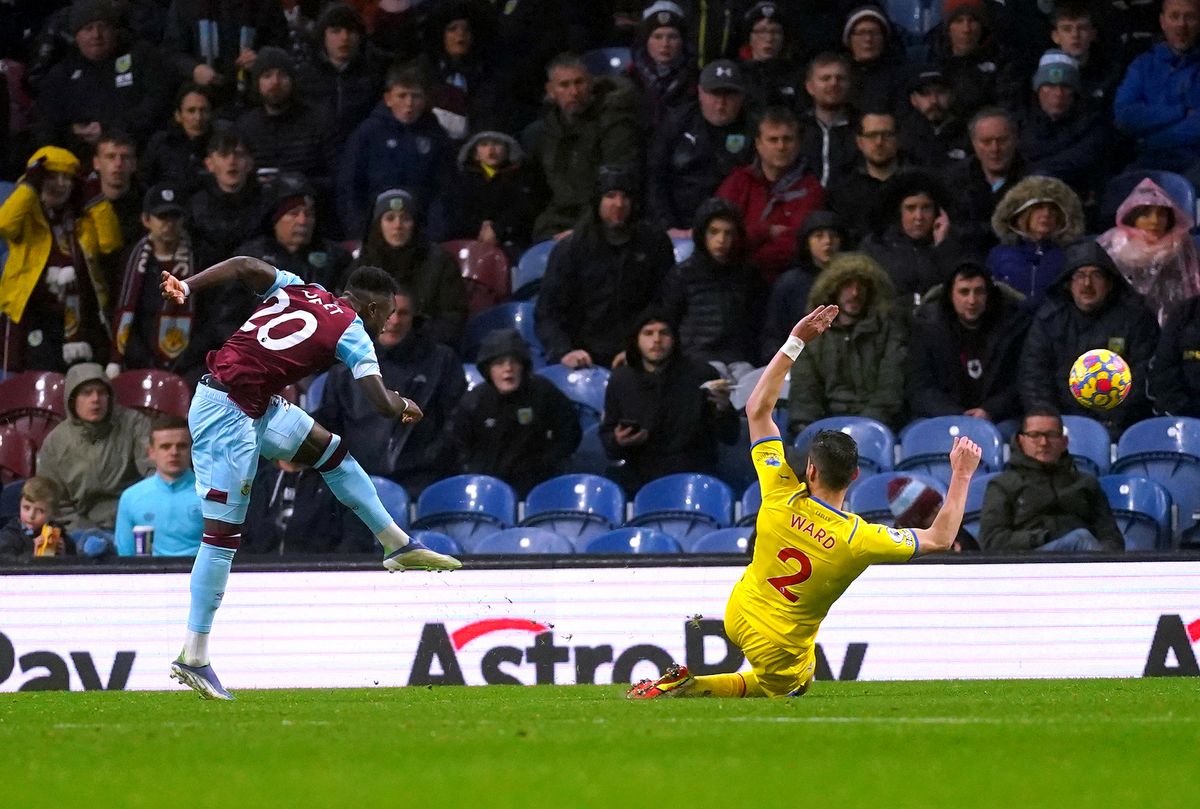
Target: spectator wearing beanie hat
x=967 y=55
x=660 y=68
x=915 y=504
x=107 y=80
x=1062 y=135
x=772 y=77
x=216 y=42
x=876 y=67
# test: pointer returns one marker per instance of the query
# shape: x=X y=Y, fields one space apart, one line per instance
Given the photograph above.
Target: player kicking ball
x=237 y=415
x=808 y=549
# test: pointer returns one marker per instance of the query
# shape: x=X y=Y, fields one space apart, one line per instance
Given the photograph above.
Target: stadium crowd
x=985 y=189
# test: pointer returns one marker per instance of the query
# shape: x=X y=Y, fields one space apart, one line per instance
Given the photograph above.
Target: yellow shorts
x=780 y=672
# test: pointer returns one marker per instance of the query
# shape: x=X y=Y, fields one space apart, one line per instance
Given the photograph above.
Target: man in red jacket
x=774 y=193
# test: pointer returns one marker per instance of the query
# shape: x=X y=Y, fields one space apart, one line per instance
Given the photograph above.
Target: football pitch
x=1029 y=743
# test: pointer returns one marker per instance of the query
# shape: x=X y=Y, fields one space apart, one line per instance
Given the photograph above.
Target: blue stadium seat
x=1166 y=450
x=583 y=386
x=687 y=506
x=1142 y=509
x=439 y=542
x=607 y=61
x=580 y=507
x=926 y=444
x=530 y=267
x=726 y=540
x=6 y=188
x=589 y=457
x=10 y=500
x=633 y=540
x=974 y=507
x=683 y=247
x=467 y=508
x=751 y=502
x=472 y=375
x=1178 y=188
x=312 y=396
x=509 y=315
x=1089 y=444
x=868 y=497
x=522 y=540
x=876 y=443
x=394 y=498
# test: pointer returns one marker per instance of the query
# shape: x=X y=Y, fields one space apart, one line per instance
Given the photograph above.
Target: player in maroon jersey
x=237 y=415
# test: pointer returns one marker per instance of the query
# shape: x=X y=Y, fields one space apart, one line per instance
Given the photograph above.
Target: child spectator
x=34 y=533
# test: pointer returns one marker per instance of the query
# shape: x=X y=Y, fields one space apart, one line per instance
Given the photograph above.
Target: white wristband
x=792 y=347
x=187 y=291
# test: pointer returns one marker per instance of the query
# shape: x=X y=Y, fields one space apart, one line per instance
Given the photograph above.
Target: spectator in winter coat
x=967 y=54
x=216 y=43
x=35 y=531
x=657 y=416
x=876 y=68
x=227 y=209
x=697 y=147
x=773 y=78
x=1034 y=221
x=1041 y=502
x=114 y=166
x=860 y=372
x=1152 y=247
x=1174 y=383
x=964 y=349
x=822 y=237
x=980 y=181
x=516 y=426
x=712 y=294
x=1074 y=33
x=827 y=128
x=774 y=193
x=1161 y=88
x=930 y=130
x=660 y=68
x=175 y=155
x=1090 y=306
x=412 y=454
x=458 y=60
x=600 y=277
x=288 y=235
x=856 y=194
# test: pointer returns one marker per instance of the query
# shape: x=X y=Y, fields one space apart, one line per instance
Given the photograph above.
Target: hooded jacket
x=1026 y=265
x=711 y=302
x=855 y=369
x=1163 y=271
x=1061 y=332
x=1174 y=383
x=789 y=295
x=95 y=462
x=521 y=437
x=1032 y=503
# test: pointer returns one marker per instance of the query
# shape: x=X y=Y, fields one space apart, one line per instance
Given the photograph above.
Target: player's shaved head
x=835 y=455
x=372 y=282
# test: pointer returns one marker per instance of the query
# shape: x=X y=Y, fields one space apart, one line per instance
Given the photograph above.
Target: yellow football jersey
x=806 y=553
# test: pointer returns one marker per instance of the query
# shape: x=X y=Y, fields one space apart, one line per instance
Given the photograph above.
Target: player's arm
x=761 y=403
x=964 y=458
x=256 y=274
x=387 y=402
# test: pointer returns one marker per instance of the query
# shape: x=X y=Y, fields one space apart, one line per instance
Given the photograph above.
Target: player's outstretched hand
x=410 y=411
x=172 y=289
x=964 y=456
x=815 y=322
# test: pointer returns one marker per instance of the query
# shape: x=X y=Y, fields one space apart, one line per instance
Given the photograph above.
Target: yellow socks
x=726 y=685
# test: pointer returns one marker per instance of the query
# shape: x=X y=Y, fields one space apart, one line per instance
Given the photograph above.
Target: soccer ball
x=1100 y=379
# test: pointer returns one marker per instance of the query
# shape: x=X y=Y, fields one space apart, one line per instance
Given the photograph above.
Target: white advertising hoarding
x=597 y=625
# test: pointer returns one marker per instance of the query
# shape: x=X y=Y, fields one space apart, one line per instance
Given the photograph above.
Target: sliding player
x=298 y=330
x=808 y=550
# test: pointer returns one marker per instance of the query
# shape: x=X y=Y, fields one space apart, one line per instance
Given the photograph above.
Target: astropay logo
x=1171 y=653
x=437 y=662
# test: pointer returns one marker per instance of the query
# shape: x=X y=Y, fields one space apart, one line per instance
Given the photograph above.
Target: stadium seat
x=687 y=506
x=1117 y=189
x=509 y=315
x=734 y=464
x=726 y=540
x=153 y=392
x=633 y=540
x=522 y=540
x=974 y=506
x=607 y=61
x=583 y=386
x=394 y=498
x=579 y=507
x=472 y=375
x=926 y=445
x=589 y=457
x=1166 y=450
x=33 y=400
x=438 y=542
x=17 y=454
x=751 y=502
x=531 y=266
x=1088 y=444
x=312 y=397
x=683 y=247
x=466 y=507
x=868 y=497
x=876 y=443
x=485 y=269
x=10 y=500
x=1142 y=509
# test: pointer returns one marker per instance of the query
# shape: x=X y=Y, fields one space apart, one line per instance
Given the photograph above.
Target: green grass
x=1082 y=743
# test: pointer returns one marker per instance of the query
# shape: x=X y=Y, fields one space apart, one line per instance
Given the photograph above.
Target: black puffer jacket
x=1175 y=373
x=1031 y=503
x=711 y=302
x=219 y=222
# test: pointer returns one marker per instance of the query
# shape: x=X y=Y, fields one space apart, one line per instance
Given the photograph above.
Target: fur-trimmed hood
x=466 y=155
x=845 y=267
x=1032 y=191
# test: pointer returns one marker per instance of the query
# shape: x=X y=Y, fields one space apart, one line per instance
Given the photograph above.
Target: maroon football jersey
x=293 y=333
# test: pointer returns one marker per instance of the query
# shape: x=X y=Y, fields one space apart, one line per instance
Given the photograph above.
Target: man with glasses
x=855 y=196
x=1089 y=306
x=1041 y=502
